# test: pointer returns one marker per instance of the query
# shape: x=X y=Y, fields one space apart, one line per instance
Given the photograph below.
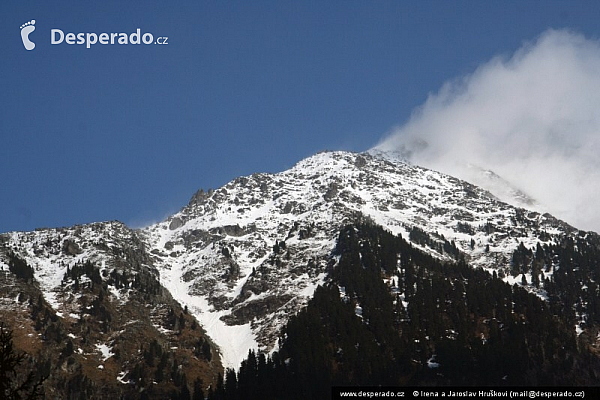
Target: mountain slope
x=87 y=306
x=426 y=323
x=244 y=258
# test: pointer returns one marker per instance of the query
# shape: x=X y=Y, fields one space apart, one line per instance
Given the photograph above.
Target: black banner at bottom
x=449 y=392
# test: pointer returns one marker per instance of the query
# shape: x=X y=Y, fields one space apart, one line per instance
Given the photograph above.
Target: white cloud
x=533 y=118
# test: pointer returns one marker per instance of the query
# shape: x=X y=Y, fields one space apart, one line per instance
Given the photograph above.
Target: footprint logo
x=26 y=29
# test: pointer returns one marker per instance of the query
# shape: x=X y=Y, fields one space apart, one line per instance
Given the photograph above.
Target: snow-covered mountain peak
x=245 y=256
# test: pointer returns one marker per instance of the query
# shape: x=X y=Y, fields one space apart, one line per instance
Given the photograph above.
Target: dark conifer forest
x=390 y=314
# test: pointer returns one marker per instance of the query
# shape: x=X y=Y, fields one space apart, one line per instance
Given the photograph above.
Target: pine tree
x=198 y=391
x=10 y=387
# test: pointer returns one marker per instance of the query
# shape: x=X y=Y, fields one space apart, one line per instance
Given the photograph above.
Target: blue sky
x=130 y=132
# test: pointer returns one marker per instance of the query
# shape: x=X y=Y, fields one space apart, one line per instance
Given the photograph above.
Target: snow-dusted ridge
x=111 y=245
x=246 y=256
